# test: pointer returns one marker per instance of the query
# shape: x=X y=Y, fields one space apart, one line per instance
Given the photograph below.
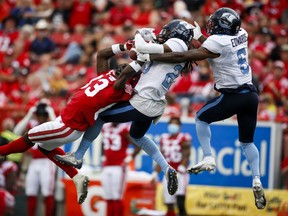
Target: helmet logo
x=226 y=20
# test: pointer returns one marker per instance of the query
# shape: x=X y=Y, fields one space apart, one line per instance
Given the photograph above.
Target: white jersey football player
x=226 y=49
x=148 y=103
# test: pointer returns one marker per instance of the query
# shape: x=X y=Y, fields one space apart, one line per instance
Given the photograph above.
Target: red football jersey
x=84 y=107
x=115 y=143
x=171 y=147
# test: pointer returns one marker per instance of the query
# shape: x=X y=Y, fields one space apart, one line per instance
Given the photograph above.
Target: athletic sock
x=49 y=206
x=150 y=147
x=109 y=207
x=170 y=213
x=204 y=136
x=118 y=208
x=31 y=205
x=69 y=170
x=252 y=156
x=19 y=145
x=89 y=136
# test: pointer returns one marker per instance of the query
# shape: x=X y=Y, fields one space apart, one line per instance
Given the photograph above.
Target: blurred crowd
x=48 y=49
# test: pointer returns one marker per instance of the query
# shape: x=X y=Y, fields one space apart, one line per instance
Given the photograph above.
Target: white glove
x=128 y=159
x=197 y=31
x=143 y=57
x=181 y=169
x=147 y=34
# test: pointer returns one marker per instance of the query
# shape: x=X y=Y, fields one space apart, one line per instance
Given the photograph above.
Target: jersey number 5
x=243 y=61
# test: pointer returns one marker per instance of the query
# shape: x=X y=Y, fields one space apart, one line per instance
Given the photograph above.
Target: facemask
x=173 y=128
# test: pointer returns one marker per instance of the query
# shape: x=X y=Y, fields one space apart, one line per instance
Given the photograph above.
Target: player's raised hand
x=147 y=34
x=129 y=44
x=197 y=31
x=143 y=57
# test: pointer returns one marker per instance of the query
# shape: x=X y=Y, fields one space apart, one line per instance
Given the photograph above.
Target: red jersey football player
x=175 y=146
x=115 y=142
x=78 y=115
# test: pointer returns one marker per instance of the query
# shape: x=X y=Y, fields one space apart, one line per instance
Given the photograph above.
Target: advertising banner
x=210 y=200
x=232 y=167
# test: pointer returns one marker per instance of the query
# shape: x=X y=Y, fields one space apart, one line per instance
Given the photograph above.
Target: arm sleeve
x=176 y=45
x=142 y=46
x=213 y=44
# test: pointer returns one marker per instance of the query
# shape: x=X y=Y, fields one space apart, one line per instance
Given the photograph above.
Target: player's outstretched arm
x=178 y=57
x=127 y=72
x=143 y=46
x=105 y=54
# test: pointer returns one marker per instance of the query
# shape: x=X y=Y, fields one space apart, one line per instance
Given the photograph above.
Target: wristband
x=136 y=67
x=116 y=48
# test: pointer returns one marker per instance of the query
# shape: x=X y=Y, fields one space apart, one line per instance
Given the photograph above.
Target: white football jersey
x=232 y=68
x=155 y=81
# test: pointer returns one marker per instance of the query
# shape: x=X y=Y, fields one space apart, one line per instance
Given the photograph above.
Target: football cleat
x=258 y=191
x=172 y=181
x=81 y=183
x=207 y=164
x=69 y=159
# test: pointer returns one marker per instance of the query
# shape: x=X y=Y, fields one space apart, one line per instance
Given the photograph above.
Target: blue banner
x=232 y=167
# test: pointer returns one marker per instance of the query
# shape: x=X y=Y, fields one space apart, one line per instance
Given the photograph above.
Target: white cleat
x=258 y=191
x=69 y=159
x=207 y=164
x=81 y=182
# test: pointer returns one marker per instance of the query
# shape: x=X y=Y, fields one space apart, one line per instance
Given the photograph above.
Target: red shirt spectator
x=4 y=10
x=275 y=8
x=119 y=13
x=81 y=13
x=276 y=83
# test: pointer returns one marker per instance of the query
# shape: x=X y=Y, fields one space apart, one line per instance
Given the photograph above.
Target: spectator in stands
x=44 y=10
x=41 y=171
x=115 y=142
x=35 y=91
x=281 y=39
x=81 y=13
x=118 y=14
x=8 y=34
x=263 y=45
x=275 y=9
x=4 y=10
x=24 y=12
x=284 y=57
x=267 y=109
x=61 y=12
x=276 y=83
x=42 y=44
x=145 y=14
x=7 y=74
x=46 y=72
x=175 y=146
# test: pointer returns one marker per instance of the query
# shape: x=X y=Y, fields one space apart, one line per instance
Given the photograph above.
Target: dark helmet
x=41 y=110
x=224 y=21
x=176 y=29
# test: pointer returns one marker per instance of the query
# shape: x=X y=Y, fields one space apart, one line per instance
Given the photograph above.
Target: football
x=133 y=54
